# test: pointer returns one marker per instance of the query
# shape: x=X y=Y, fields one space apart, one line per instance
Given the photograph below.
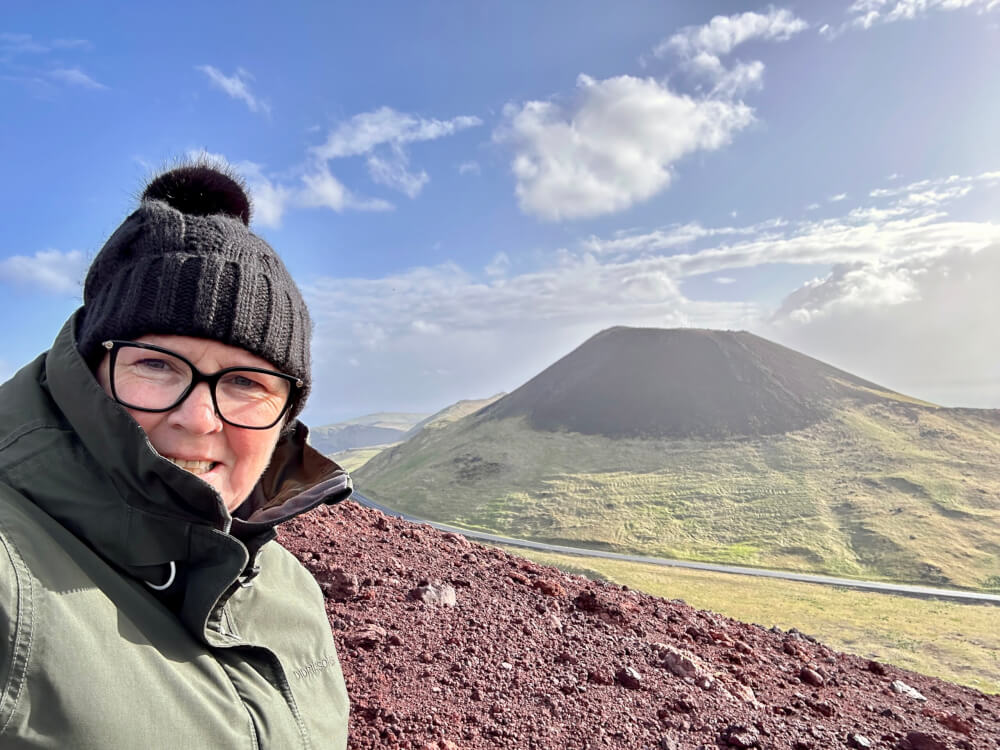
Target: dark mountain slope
x=647 y=382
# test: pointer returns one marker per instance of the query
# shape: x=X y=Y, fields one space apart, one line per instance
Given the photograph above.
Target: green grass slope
x=884 y=488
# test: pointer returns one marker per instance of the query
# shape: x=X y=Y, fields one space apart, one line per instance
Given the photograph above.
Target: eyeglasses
x=150 y=378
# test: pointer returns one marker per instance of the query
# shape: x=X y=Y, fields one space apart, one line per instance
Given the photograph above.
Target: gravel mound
x=450 y=645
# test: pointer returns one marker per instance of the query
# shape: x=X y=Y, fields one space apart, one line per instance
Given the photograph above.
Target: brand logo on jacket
x=312 y=669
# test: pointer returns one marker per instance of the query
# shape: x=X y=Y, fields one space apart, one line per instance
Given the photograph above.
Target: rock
x=629 y=678
x=922 y=741
x=744 y=692
x=954 y=722
x=599 y=677
x=366 y=637
x=590 y=602
x=337 y=584
x=898 y=686
x=682 y=663
x=440 y=594
x=875 y=668
x=549 y=588
x=858 y=741
x=738 y=735
x=811 y=677
x=458 y=539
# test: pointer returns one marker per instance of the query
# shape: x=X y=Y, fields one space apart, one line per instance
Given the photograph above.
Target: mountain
x=363 y=432
x=446 y=644
x=648 y=382
x=716 y=446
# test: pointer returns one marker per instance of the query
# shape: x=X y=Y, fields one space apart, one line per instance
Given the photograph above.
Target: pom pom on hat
x=201 y=190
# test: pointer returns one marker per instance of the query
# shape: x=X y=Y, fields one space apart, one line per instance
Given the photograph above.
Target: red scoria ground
x=449 y=645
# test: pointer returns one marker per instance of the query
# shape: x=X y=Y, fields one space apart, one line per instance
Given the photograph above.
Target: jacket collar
x=141 y=512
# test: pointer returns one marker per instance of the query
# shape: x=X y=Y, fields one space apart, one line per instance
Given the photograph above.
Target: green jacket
x=235 y=653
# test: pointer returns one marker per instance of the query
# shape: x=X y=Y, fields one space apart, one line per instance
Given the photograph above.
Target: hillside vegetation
x=876 y=485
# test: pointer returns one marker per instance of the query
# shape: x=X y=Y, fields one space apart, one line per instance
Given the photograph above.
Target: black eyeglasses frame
x=197 y=376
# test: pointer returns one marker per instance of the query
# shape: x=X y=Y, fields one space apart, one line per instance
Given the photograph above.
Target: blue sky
x=467 y=191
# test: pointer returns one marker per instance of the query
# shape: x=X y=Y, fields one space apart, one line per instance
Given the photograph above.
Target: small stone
x=738 y=735
x=366 y=637
x=898 y=686
x=923 y=741
x=682 y=663
x=954 y=722
x=599 y=677
x=859 y=741
x=549 y=588
x=458 y=539
x=629 y=678
x=875 y=668
x=337 y=584
x=811 y=677
x=441 y=594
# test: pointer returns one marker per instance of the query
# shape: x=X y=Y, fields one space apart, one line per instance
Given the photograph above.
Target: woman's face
x=230 y=459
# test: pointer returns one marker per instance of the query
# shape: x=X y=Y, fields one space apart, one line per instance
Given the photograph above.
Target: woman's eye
x=242 y=381
x=158 y=365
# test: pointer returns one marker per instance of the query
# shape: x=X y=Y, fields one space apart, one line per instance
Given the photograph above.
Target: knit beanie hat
x=186 y=263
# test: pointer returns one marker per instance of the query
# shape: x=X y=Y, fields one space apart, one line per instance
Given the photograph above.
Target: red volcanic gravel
x=450 y=645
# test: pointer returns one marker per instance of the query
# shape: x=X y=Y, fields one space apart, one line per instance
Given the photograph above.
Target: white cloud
x=838 y=197
x=424 y=327
x=364 y=132
x=75 y=77
x=237 y=86
x=34 y=63
x=469 y=167
x=616 y=146
x=911 y=224
x=392 y=173
x=12 y=45
x=322 y=189
x=499 y=266
x=676 y=235
x=723 y=34
x=701 y=48
x=725 y=280
x=382 y=137
x=51 y=271
x=929 y=318
x=864 y=14
x=617 y=141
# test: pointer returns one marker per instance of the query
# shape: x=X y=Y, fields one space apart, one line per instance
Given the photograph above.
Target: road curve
x=968 y=597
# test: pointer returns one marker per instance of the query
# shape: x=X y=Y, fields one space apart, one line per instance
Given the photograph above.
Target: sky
x=465 y=192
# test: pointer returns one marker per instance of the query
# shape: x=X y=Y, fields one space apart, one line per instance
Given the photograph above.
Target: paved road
x=888 y=588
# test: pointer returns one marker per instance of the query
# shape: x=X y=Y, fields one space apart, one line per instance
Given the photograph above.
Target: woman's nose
x=197 y=412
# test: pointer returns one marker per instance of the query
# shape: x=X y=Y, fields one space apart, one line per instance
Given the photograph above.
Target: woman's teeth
x=195 y=467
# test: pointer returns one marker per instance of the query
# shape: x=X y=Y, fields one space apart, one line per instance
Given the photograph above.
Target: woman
x=145 y=461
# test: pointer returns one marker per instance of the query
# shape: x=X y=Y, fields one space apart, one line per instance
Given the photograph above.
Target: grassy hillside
x=887 y=489
x=353 y=459
x=452 y=413
x=958 y=642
